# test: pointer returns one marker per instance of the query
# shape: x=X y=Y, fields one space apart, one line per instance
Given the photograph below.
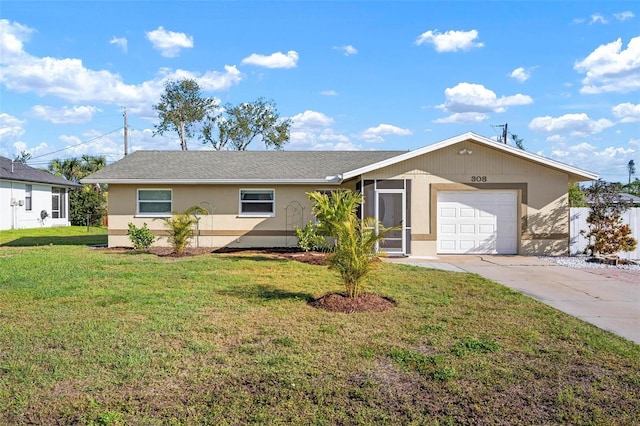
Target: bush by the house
x=141 y=238
x=310 y=238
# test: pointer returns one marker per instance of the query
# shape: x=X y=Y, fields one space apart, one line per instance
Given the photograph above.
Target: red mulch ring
x=366 y=302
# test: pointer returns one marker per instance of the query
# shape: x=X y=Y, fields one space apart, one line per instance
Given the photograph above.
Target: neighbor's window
x=28 y=190
x=58 y=203
x=257 y=202
x=154 y=202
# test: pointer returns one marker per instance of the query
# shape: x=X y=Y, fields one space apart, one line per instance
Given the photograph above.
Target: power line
x=81 y=143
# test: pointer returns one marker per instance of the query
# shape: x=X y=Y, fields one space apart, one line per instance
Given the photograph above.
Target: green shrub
x=310 y=238
x=141 y=238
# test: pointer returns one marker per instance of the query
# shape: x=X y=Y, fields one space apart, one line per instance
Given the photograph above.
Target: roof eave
x=329 y=180
x=65 y=184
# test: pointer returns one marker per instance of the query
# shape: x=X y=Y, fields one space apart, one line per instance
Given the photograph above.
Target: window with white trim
x=257 y=202
x=154 y=202
x=28 y=197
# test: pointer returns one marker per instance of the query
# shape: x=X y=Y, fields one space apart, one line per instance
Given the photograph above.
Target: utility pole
x=505 y=132
x=126 y=133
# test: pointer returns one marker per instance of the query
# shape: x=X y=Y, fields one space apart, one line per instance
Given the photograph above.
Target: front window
x=257 y=202
x=58 y=203
x=154 y=202
x=28 y=191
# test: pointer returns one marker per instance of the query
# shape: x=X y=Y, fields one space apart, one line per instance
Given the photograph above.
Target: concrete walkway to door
x=605 y=302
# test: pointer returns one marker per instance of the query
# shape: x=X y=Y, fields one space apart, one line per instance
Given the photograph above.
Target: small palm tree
x=355 y=240
x=331 y=209
x=180 y=227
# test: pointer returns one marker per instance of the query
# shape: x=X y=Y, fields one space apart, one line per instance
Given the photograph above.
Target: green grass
x=67 y=235
x=112 y=338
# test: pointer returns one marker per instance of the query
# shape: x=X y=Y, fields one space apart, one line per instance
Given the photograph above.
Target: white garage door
x=478 y=222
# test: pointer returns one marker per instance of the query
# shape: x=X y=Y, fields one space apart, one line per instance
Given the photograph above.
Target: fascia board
x=35 y=182
x=329 y=180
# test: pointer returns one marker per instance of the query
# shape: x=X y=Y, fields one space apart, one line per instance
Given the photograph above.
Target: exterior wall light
x=465 y=151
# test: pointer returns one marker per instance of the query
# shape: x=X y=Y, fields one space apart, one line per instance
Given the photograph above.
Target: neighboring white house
x=32 y=198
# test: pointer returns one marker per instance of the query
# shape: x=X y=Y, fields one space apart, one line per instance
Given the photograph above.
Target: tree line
x=185 y=110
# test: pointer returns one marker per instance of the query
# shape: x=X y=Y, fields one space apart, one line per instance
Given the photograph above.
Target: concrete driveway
x=606 y=302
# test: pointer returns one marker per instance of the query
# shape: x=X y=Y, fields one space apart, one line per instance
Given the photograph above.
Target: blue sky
x=379 y=75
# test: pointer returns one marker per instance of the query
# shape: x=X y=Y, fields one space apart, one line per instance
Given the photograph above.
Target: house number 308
x=478 y=178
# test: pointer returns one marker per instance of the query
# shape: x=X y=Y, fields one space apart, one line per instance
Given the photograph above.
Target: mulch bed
x=365 y=302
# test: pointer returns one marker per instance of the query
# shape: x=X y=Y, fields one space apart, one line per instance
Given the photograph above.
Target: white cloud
x=169 y=43
x=578 y=20
x=41 y=148
x=216 y=80
x=451 y=41
x=69 y=79
x=121 y=42
x=609 y=161
x=10 y=127
x=275 y=60
x=471 y=102
x=311 y=130
x=520 y=74
x=623 y=16
x=578 y=125
x=556 y=139
x=76 y=114
x=329 y=93
x=12 y=38
x=310 y=120
x=610 y=69
x=627 y=112
x=347 y=50
x=376 y=134
x=463 y=117
x=597 y=18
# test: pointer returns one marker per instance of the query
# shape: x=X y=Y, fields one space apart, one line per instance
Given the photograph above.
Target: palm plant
x=331 y=209
x=180 y=227
x=355 y=240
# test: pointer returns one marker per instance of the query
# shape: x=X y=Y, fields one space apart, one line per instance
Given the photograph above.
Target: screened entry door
x=391 y=213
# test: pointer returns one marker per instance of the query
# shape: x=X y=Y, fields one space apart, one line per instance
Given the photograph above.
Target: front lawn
x=91 y=336
x=65 y=235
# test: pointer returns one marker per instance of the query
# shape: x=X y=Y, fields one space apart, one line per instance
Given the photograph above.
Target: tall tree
x=68 y=169
x=576 y=196
x=240 y=125
x=74 y=169
x=23 y=157
x=518 y=141
x=631 y=166
x=181 y=107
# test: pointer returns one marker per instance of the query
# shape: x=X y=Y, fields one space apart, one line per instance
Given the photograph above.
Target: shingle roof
x=285 y=166
x=22 y=173
x=232 y=166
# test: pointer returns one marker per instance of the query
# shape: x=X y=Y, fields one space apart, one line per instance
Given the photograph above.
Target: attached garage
x=478 y=222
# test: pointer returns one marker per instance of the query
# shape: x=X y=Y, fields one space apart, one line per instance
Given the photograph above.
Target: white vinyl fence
x=578 y=222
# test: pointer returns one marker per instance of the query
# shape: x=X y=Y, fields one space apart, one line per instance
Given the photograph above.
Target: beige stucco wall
x=542 y=191
x=223 y=227
x=542 y=194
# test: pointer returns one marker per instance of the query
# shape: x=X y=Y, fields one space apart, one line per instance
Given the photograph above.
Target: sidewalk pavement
x=605 y=302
